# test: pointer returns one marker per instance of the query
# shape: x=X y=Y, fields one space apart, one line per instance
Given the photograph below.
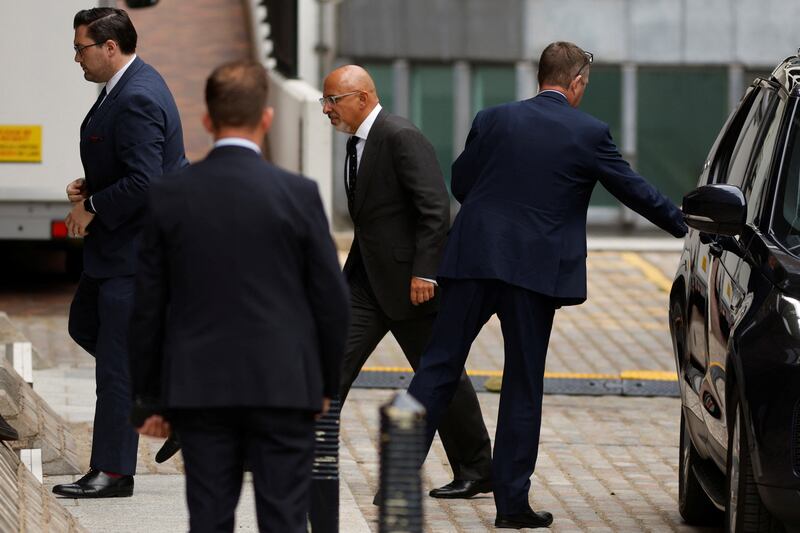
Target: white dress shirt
x=363 y=132
x=237 y=141
x=554 y=91
x=115 y=79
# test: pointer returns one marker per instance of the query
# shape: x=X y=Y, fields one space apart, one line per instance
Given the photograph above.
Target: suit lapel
x=100 y=113
x=91 y=112
x=368 y=161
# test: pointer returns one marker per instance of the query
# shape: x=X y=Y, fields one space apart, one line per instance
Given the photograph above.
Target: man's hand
x=155 y=426
x=77 y=220
x=326 y=405
x=421 y=290
x=77 y=191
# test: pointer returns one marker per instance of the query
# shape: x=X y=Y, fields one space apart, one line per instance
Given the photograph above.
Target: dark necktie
x=97 y=103
x=352 y=170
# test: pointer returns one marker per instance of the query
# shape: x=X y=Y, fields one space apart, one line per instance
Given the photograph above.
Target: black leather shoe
x=530 y=519
x=96 y=484
x=168 y=449
x=6 y=431
x=462 y=488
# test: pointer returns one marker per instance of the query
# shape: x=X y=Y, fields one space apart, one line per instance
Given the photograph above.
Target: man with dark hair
x=240 y=318
x=131 y=135
x=518 y=249
x=400 y=209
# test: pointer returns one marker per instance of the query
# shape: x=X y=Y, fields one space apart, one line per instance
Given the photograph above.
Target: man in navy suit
x=131 y=135
x=518 y=248
x=240 y=318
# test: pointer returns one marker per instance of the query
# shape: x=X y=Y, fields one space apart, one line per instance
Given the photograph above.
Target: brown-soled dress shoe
x=462 y=488
x=6 y=431
x=529 y=519
x=97 y=484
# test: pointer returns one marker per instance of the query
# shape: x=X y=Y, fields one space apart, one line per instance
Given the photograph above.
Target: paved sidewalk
x=606 y=463
x=621 y=327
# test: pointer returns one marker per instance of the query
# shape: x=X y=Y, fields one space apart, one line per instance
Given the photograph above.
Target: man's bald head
x=353 y=78
x=349 y=95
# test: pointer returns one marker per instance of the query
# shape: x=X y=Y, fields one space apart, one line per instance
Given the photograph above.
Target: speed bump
x=628 y=383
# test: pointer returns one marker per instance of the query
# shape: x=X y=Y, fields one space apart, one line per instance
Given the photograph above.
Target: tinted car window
x=757 y=174
x=725 y=145
x=786 y=218
x=760 y=112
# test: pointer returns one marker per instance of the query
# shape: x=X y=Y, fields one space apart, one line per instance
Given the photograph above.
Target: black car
x=735 y=318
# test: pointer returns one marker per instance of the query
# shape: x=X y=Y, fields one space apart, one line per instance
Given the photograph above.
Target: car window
x=725 y=145
x=786 y=217
x=760 y=112
x=758 y=172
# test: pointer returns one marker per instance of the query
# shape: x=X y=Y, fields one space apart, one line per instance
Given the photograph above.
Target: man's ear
x=208 y=124
x=266 y=118
x=111 y=47
x=576 y=82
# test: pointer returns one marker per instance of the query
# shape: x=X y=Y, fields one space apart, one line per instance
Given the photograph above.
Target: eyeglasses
x=79 y=49
x=331 y=100
x=589 y=61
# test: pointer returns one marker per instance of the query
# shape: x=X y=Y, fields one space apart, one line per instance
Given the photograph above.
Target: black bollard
x=324 y=513
x=402 y=441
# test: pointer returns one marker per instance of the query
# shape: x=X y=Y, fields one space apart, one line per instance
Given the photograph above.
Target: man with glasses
x=518 y=249
x=131 y=135
x=400 y=209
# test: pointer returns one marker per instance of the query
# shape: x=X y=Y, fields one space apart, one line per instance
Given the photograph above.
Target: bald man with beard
x=400 y=209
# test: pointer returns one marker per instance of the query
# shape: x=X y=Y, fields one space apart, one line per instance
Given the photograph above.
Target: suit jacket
x=401 y=214
x=524 y=181
x=134 y=136
x=239 y=297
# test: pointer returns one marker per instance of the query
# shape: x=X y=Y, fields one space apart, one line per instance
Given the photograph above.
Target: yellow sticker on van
x=20 y=144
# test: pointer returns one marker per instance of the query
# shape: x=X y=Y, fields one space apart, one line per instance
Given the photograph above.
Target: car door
x=731 y=270
x=698 y=266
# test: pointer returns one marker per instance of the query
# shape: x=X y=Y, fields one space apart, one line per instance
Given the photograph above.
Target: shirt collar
x=237 y=141
x=116 y=77
x=554 y=91
x=363 y=130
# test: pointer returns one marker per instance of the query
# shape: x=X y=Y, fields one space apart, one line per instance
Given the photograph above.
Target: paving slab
x=606 y=463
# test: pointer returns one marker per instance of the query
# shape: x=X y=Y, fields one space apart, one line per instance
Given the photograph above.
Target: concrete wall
x=749 y=32
x=300 y=138
x=440 y=29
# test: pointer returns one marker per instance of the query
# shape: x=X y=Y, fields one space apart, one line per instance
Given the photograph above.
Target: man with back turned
x=518 y=249
x=240 y=316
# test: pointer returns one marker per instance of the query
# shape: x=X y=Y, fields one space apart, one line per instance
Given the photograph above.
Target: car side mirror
x=719 y=209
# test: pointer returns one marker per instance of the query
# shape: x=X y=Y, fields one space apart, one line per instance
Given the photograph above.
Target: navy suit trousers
x=526 y=318
x=99 y=319
x=277 y=445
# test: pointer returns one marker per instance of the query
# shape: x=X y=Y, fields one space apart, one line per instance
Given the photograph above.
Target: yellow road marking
x=650 y=271
x=649 y=375
x=655 y=375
